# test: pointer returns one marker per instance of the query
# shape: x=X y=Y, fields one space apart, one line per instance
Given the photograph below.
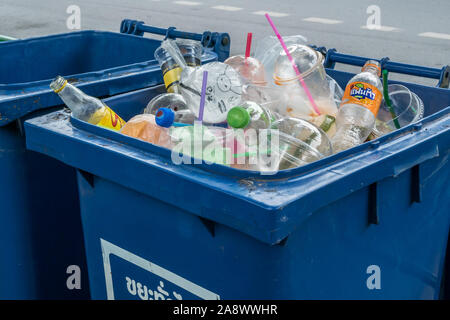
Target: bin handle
x=219 y=42
x=443 y=74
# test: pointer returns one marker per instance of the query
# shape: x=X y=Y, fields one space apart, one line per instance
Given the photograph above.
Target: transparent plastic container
x=299 y=142
x=250 y=115
x=360 y=105
x=191 y=50
x=268 y=49
x=208 y=143
x=223 y=90
x=310 y=65
x=250 y=69
x=407 y=108
x=173 y=101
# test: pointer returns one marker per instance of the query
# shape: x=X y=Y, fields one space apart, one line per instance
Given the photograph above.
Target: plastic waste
x=248 y=115
x=144 y=127
x=359 y=108
x=85 y=107
x=310 y=64
x=250 y=69
x=166 y=117
x=173 y=101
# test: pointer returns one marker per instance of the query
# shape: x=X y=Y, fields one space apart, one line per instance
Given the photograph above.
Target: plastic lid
x=238 y=117
x=305 y=58
x=165 y=117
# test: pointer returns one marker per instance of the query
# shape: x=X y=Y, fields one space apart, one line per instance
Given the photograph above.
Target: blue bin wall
x=310 y=232
x=325 y=258
x=40 y=225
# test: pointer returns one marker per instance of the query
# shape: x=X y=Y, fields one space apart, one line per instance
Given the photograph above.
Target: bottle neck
x=372 y=70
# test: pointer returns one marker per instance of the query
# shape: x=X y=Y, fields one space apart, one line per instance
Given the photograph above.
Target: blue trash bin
x=40 y=226
x=371 y=222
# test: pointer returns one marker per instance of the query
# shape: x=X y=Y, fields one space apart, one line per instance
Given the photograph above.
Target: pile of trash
x=275 y=110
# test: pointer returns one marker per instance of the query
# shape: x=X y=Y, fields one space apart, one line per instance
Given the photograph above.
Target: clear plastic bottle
x=85 y=107
x=250 y=115
x=360 y=104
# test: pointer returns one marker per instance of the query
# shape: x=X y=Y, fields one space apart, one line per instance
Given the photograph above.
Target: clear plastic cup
x=269 y=48
x=299 y=142
x=250 y=69
x=407 y=107
x=173 y=101
x=223 y=90
x=191 y=50
x=310 y=64
x=208 y=143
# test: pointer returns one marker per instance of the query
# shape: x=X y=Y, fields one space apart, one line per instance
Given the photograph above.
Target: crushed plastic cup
x=250 y=69
x=299 y=142
x=223 y=90
x=173 y=101
x=310 y=64
x=269 y=48
x=407 y=106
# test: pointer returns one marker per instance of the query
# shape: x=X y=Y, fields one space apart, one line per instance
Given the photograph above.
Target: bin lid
x=100 y=63
x=267 y=208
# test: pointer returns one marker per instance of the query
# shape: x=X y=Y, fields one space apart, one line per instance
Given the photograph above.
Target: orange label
x=363 y=94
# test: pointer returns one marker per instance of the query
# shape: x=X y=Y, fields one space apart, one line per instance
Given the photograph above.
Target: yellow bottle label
x=107 y=118
x=172 y=77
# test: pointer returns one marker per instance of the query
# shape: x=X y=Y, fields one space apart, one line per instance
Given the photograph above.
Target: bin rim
x=248 y=174
x=20 y=99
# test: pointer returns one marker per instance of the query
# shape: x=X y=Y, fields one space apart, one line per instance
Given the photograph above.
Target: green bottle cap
x=238 y=117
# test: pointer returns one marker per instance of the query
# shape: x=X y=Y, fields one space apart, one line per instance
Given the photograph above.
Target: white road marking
x=436 y=35
x=188 y=3
x=271 y=13
x=322 y=20
x=227 y=8
x=381 y=28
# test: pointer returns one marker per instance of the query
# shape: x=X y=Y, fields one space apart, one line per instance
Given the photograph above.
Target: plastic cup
x=250 y=69
x=191 y=50
x=211 y=144
x=310 y=64
x=170 y=69
x=299 y=142
x=173 y=101
x=269 y=48
x=223 y=90
x=407 y=106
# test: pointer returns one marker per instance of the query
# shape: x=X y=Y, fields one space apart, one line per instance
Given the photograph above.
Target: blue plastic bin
x=40 y=226
x=327 y=230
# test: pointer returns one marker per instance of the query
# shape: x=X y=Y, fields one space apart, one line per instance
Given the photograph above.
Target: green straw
x=387 y=99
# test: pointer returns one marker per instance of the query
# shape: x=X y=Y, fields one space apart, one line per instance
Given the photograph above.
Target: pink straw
x=300 y=78
x=249 y=45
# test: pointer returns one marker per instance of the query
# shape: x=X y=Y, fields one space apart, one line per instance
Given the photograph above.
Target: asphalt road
x=413 y=31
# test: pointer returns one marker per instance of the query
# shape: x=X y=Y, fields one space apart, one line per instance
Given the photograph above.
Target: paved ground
x=413 y=31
